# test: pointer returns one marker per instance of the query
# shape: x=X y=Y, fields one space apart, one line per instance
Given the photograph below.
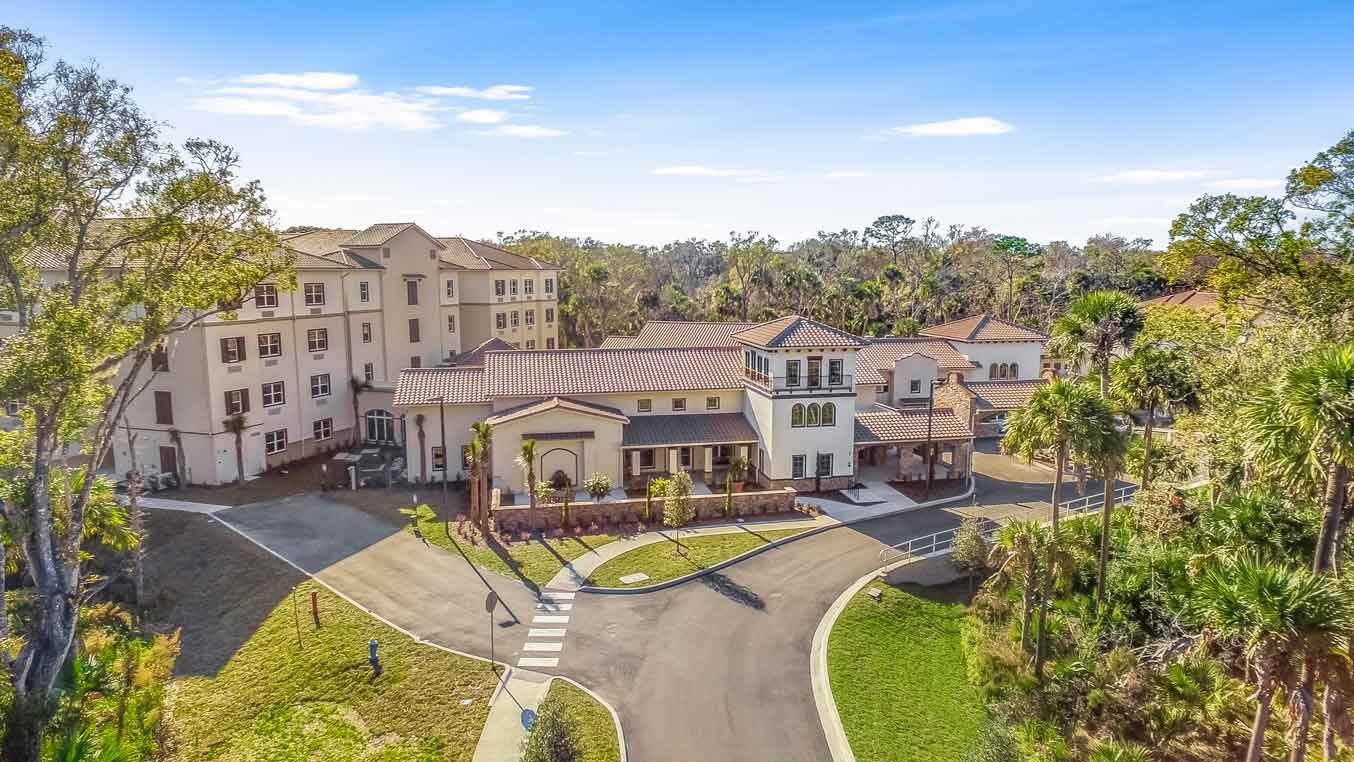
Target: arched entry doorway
x=560 y=460
x=380 y=427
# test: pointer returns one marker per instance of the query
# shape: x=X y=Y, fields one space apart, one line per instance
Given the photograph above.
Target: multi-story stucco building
x=806 y=405
x=312 y=369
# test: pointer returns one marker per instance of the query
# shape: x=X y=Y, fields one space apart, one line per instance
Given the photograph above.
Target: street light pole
x=930 y=417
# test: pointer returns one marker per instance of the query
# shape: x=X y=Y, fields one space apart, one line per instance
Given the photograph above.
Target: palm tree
x=1147 y=379
x=1016 y=550
x=473 y=459
x=1106 y=449
x=1067 y=417
x=1280 y=615
x=1301 y=429
x=422 y=450
x=236 y=425
x=357 y=386
x=484 y=435
x=526 y=460
x=1094 y=327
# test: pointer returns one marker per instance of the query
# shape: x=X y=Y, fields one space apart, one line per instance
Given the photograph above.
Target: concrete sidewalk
x=575 y=573
x=504 y=730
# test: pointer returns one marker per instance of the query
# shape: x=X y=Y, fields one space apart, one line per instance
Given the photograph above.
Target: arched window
x=992 y=370
x=829 y=414
x=813 y=414
x=1015 y=370
x=380 y=426
x=797 y=415
x=1002 y=372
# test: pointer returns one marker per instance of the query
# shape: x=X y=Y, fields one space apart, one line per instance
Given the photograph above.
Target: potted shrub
x=598 y=486
x=738 y=470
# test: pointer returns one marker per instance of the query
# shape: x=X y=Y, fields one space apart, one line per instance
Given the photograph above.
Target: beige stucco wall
x=602 y=453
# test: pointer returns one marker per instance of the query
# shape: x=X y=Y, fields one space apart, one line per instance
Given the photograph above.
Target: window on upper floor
x=512 y=287
x=451 y=324
x=270 y=345
x=237 y=401
x=528 y=287
x=834 y=372
x=317 y=339
x=366 y=333
x=644 y=405
x=829 y=414
x=531 y=343
x=811 y=417
x=363 y=291
x=797 y=415
x=500 y=320
x=265 y=296
x=159 y=358
x=549 y=343
x=369 y=372
x=232 y=349
x=531 y=317
x=319 y=385
x=711 y=403
x=914 y=386
x=792 y=372
x=322 y=428
x=275 y=441
x=414 y=336
x=549 y=285
x=314 y=293
x=451 y=289
x=416 y=362
x=411 y=291
x=500 y=287
x=516 y=318
x=549 y=314
x=1015 y=370
x=678 y=404
x=164 y=408
x=274 y=393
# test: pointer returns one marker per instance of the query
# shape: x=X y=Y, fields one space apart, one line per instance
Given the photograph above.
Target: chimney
x=1048 y=374
x=955 y=377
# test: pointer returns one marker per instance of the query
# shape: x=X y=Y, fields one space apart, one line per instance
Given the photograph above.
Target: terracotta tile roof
x=475 y=356
x=682 y=333
x=692 y=429
x=983 y=327
x=551 y=372
x=1003 y=395
x=381 y=232
x=796 y=331
x=319 y=242
x=874 y=361
x=908 y=426
x=617 y=342
x=477 y=255
x=420 y=386
x=1190 y=298
x=556 y=403
x=305 y=261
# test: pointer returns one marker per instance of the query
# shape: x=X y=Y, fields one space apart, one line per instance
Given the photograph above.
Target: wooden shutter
x=244 y=400
x=225 y=350
x=164 y=408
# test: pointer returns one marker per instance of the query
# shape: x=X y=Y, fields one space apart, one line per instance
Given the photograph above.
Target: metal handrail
x=943 y=541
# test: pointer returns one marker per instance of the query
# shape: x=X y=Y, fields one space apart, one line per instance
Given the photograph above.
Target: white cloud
x=1247 y=183
x=491 y=93
x=524 y=131
x=971 y=125
x=844 y=173
x=1128 y=220
x=696 y=170
x=311 y=80
x=482 y=116
x=1150 y=176
x=247 y=107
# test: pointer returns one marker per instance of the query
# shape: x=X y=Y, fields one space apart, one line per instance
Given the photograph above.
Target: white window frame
x=528 y=287
x=500 y=287
x=530 y=318
x=369 y=372
x=818 y=464
x=274 y=441
x=274 y=390
x=712 y=403
x=366 y=333
x=549 y=314
x=500 y=321
x=515 y=320
x=320 y=385
x=451 y=324
x=798 y=466
x=549 y=285
x=644 y=405
x=363 y=291
x=531 y=343
x=549 y=343
x=512 y=287
x=679 y=404
x=314 y=294
x=322 y=429
x=271 y=348
x=267 y=290
x=235 y=401
x=317 y=339
x=451 y=289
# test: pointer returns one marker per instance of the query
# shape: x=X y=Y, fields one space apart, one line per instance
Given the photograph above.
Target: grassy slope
x=537 y=561
x=594 y=729
x=898 y=677
x=660 y=562
x=274 y=700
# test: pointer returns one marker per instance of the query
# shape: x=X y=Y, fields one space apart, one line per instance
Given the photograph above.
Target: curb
x=972 y=485
x=615 y=718
x=831 y=720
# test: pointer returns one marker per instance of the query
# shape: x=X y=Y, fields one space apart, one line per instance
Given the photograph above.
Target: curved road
x=714 y=668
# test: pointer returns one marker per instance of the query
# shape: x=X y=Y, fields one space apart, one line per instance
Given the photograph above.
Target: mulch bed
x=940 y=488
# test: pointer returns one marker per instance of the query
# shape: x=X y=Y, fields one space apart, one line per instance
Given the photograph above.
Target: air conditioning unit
x=275 y=410
x=267 y=313
x=234 y=369
x=315 y=310
x=269 y=363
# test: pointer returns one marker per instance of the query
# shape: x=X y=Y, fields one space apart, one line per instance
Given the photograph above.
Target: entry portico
x=704 y=445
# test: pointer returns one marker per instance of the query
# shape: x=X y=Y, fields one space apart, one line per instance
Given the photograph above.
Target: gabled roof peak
x=797 y=331
x=983 y=327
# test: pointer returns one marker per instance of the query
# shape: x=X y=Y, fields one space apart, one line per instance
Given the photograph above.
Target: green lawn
x=593 y=727
x=898 y=676
x=536 y=560
x=274 y=700
x=661 y=562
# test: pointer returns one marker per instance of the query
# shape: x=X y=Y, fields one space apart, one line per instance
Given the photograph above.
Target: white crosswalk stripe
x=547 y=640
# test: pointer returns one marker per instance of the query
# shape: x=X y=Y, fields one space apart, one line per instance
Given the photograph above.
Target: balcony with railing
x=801 y=384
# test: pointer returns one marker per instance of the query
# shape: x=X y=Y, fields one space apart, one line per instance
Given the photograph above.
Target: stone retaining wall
x=631 y=510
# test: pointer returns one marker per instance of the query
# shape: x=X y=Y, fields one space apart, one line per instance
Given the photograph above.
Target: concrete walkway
x=575 y=573
x=504 y=730
x=889 y=492
x=165 y=504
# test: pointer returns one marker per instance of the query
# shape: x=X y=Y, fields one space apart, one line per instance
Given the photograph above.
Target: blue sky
x=644 y=123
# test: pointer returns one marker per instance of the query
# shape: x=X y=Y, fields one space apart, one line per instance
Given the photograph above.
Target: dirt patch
x=940 y=489
x=301 y=476
x=212 y=583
